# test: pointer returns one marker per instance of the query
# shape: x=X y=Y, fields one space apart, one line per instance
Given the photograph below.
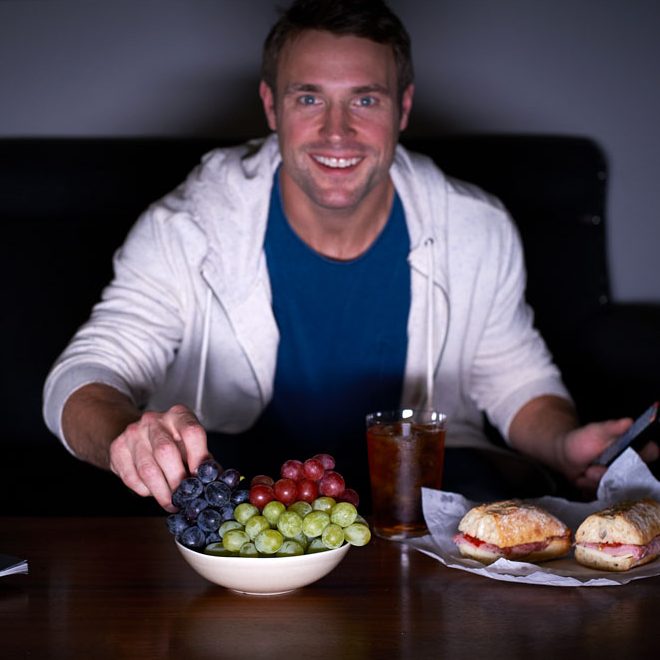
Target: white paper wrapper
x=627 y=478
x=11 y=565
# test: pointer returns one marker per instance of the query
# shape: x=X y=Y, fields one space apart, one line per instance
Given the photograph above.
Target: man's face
x=338 y=118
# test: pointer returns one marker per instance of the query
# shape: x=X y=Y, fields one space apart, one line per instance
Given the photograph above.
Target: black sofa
x=66 y=204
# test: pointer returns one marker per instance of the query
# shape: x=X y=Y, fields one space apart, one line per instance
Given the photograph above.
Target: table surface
x=118 y=588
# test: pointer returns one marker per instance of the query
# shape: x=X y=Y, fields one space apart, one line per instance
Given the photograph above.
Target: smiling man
x=337 y=111
x=292 y=285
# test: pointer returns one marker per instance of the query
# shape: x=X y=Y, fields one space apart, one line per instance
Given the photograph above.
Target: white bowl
x=265 y=576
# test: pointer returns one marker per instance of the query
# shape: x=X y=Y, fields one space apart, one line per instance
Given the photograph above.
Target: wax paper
x=627 y=478
x=10 y=565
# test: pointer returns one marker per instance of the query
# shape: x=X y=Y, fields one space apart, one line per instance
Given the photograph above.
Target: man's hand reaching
x=155 y=453
x=150 y=452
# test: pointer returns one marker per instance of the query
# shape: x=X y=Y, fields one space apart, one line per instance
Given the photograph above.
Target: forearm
x=92 y=418
x=539 y=430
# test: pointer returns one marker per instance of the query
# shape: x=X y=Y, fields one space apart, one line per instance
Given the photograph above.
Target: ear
x=268 y=101
x=406 y=106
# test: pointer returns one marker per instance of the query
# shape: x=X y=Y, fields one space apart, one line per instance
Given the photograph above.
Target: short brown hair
x=370 y=19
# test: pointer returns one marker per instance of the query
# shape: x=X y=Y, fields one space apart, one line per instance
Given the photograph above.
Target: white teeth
x=337 y=162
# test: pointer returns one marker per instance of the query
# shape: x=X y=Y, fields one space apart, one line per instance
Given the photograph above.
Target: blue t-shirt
x=343 y=344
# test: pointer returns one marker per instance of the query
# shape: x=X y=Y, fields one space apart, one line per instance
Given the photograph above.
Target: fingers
x=137 y=458
x=617 y=427
x=151 y=456
x=188 y=430
x=159 y=464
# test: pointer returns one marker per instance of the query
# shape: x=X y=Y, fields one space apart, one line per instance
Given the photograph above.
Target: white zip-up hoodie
x=188 y=318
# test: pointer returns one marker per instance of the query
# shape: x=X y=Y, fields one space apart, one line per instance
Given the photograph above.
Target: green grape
x=290 y=548
x=255 y=526
x=301 y=508
x=227 y=526
x=234 y=539
x=343 y=514
x=302 y=539
x=316 y=545
x=272 y=511
x=269 y=541
x=358 y=534
x=314 y=523
x=324 y=503
x=217 y=550
x=248 y=550
x=333 y=536
x=244 y=511
x=290 y=524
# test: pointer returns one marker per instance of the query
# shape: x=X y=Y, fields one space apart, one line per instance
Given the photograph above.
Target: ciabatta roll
x=512 y=529
x=620 y=537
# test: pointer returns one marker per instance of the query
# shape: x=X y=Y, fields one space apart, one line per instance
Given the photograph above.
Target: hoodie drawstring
x=430 y=317
x=203 y=355
x=429 y=243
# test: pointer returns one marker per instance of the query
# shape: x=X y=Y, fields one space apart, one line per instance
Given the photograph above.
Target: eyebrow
x=295 y=88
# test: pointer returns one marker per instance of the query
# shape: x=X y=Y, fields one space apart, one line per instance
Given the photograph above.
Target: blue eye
x=366 y=101
x=307 y=99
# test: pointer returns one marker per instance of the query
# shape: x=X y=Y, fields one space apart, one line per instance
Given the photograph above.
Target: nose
x=337 y=123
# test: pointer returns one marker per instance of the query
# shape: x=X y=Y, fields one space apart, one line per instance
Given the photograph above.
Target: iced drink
x=406 y=452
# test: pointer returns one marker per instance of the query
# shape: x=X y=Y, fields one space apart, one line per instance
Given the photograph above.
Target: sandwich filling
x=625 y=549
x=511 y=552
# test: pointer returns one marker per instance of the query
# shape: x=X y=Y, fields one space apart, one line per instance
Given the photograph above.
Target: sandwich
x=514 y=530
x=620 y=537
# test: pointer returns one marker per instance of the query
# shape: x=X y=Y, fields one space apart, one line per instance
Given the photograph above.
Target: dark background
x=149 y=68
x=168 y=67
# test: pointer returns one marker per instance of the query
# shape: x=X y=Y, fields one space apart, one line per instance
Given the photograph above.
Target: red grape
x=308 y=491
x=262 y=479
x=292 y=470
x=260 y=495
x=327 y=461
x=349 y=495
x=286 y=491
x=313 y=469
x=332 y=484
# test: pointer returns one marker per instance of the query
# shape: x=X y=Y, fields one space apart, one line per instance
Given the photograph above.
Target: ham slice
x=512 y=552
x=626 y=550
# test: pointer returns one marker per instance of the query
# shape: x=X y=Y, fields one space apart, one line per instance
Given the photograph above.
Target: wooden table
x=117 y=588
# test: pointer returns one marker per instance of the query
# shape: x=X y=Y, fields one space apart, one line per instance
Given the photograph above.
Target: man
x=289 y=287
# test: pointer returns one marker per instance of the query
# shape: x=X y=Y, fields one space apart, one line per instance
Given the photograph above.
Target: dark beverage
x=404 y=455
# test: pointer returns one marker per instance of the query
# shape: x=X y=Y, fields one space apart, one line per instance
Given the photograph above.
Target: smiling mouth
x=337 y=163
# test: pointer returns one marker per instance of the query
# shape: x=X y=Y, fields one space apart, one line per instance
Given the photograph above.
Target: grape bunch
x=205 y=501
x=304 y=481
x=308 y=509
x=286 y=531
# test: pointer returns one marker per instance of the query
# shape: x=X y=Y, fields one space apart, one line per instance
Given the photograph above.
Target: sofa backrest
x=66 y=205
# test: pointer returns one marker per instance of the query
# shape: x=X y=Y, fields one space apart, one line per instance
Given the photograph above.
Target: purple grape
x=193 y=538
x=209 y=520
x=217 y=494
x=189 y=489
x=177 y=499
x=240 y=496
x=227 y=512
x=231 y=477
x=177 y=523
x=208 y=471
x=195 y=507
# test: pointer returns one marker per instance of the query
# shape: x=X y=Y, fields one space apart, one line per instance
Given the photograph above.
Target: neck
x=341 y=234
